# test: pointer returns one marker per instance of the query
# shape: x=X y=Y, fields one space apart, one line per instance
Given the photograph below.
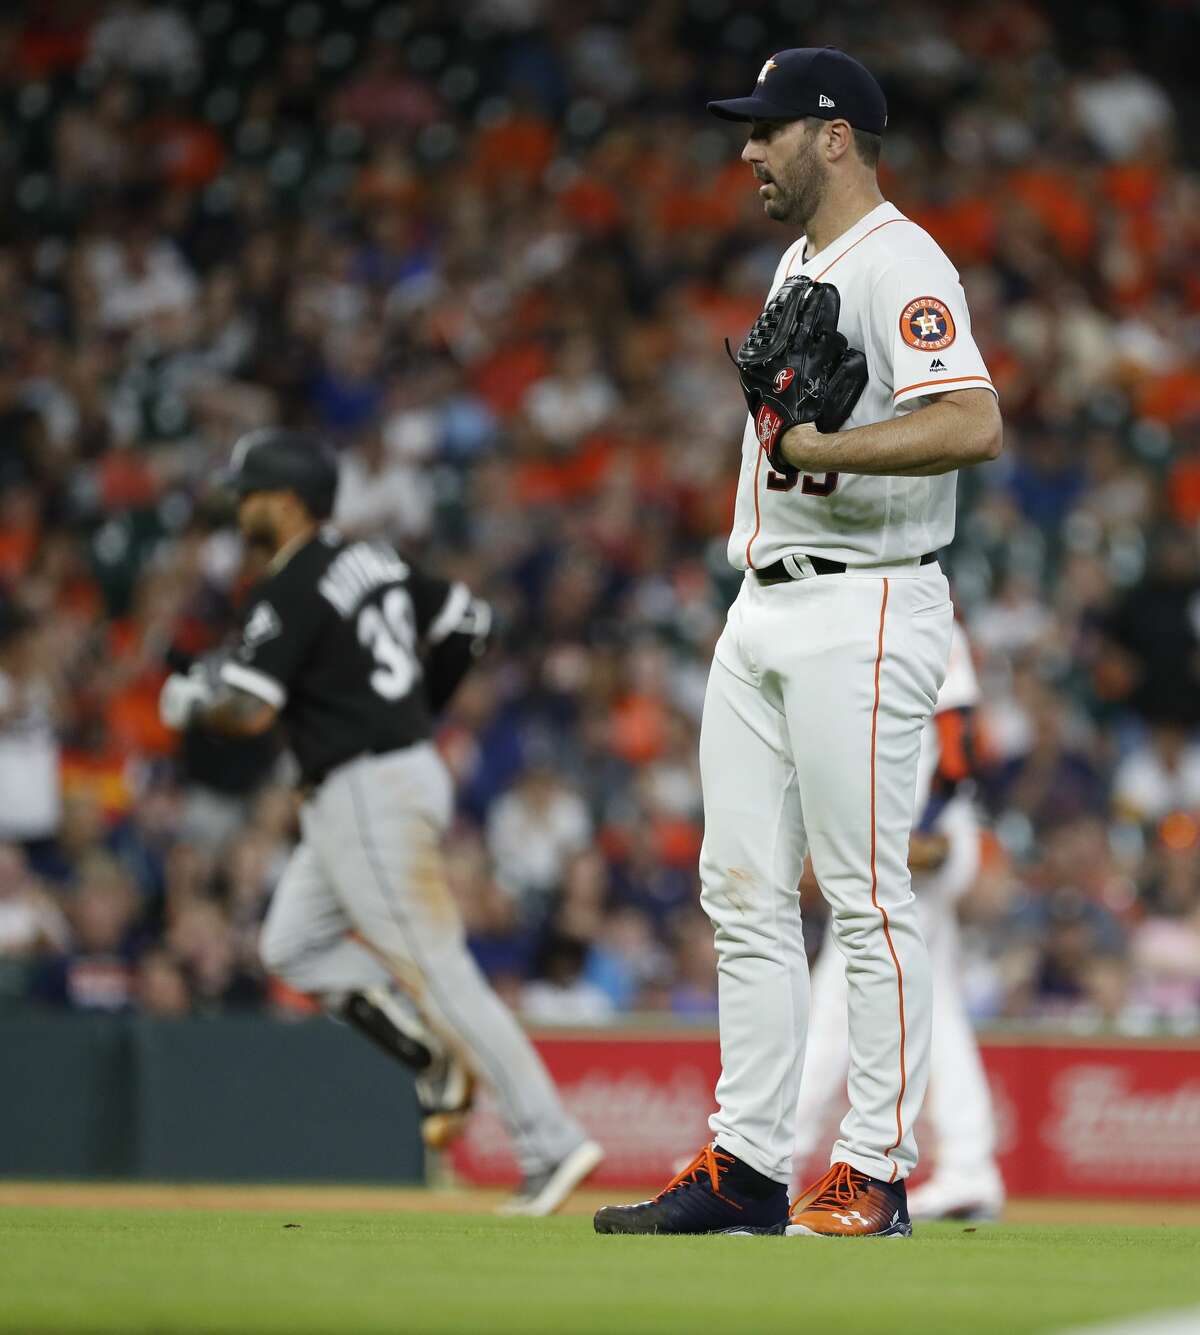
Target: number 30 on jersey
x=389 y=631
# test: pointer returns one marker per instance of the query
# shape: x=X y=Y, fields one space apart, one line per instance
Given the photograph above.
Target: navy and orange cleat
x=848 y=1204
x=715 y=1193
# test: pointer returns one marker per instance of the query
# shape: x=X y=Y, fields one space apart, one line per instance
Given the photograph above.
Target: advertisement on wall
x=1097 y=1121
x=1074 y=1119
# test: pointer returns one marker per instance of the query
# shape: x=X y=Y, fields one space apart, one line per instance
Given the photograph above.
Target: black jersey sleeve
x=454 y=629
x=282 y=621
x=443 y=608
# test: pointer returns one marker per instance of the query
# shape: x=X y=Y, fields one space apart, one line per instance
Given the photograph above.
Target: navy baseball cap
x=811 y=81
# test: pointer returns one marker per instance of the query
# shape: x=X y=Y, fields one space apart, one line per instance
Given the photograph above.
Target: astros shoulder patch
x=926 y=324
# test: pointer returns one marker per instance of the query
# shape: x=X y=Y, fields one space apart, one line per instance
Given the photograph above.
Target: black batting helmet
x=277 y=459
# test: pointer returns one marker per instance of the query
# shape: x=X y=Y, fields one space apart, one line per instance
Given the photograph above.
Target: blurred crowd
x=492 y=250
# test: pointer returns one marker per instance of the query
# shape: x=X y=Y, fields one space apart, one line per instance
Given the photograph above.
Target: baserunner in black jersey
x=354 y=650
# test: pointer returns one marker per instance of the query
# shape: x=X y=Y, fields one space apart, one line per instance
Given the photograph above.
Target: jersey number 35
x=812 y=487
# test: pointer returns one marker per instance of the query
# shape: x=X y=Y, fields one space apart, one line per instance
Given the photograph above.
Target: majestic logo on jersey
x=824 y=101
x=927 y=325
x=766 y=69
x=262 y=624
x=767 y=423
x=784 y=378
x=937 y=365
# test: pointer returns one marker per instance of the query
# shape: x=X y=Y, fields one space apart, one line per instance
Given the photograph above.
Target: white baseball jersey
x=903 y=305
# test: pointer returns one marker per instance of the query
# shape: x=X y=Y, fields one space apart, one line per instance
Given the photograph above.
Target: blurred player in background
x=355 y=651
x=944 y=859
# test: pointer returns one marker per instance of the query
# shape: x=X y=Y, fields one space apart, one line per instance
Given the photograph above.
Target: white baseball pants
x=960 y=1105
x=364 y=902
x=819 y=690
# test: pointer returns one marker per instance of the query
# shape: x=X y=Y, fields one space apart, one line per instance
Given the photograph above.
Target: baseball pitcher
x=354 y=650
x=865 y=394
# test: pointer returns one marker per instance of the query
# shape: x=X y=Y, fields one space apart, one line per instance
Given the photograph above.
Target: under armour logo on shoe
x=848 y=1219
x=824 y=101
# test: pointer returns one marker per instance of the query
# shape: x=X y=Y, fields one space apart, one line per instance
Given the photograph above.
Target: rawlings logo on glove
x=795 y=367
x=767 y=425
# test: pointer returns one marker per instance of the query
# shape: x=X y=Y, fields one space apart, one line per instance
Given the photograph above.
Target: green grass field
x=124 y=1271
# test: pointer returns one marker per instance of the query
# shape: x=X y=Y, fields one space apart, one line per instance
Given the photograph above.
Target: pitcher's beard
x=798 y=192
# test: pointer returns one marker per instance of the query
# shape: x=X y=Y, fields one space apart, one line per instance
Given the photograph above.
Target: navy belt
x=778 y=573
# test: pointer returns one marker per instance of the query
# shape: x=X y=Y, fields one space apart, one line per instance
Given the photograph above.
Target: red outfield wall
x=1074 y=1118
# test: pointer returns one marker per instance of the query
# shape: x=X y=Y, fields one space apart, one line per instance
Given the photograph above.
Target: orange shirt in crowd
x=188 y=152
x=519 y=146
x=1058 y=203
x=1183 y=489
x=101 y=776
x=639 y=728
x=566 y=478
x=131 y=712
x=503 y=379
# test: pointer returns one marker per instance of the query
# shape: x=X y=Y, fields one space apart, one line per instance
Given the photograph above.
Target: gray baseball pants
x=364 y=902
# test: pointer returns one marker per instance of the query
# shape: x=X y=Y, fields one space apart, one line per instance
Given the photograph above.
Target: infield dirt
x=383 y=1199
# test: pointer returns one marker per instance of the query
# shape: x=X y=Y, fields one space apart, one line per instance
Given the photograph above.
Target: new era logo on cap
x=824 y=101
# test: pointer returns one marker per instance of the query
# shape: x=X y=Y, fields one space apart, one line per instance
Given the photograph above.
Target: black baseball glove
x=795 y=367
